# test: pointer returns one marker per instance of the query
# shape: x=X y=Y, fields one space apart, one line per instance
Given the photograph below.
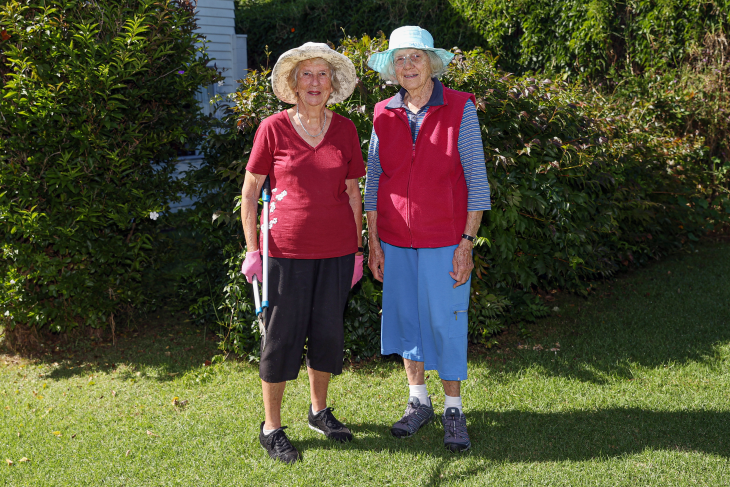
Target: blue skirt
x=424 y=318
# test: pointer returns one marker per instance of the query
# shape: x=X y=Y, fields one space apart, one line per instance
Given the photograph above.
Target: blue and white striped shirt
x=471 y=151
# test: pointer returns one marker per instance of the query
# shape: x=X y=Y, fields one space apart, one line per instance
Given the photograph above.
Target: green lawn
x=638 y=393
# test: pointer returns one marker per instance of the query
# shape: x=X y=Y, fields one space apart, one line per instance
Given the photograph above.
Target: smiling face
x=314 y=82
x=412 y=68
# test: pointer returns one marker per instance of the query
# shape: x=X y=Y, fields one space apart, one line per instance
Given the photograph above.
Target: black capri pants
x=307 y=299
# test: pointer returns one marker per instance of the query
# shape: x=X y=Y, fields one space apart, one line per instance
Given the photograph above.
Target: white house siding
x=228 y=50
x=228 y=53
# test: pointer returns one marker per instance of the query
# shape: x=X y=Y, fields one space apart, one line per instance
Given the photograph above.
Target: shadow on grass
x=582 y=435
x=167 y=345
x=516 y=436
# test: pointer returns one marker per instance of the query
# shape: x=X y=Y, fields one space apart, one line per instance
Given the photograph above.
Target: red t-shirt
x=309 y=215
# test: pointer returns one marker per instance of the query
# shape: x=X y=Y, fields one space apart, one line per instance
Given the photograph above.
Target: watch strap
x=468 y=237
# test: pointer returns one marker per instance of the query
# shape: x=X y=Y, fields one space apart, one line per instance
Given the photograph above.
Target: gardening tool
x=263 y=302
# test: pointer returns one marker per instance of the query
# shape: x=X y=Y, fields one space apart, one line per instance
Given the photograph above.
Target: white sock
x=316 y=412
x=268 y=432
x=453 y=402
x=421 y=393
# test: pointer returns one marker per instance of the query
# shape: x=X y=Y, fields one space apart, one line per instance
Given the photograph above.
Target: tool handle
x=266 y=190
x=266 y=197
x=256 y=298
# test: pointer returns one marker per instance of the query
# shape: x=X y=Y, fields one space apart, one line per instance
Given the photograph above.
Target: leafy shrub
x=574 y=36
x=583 y=185
x=693 y=99
x=611 y=43
x=281 y=25
x=97 y=99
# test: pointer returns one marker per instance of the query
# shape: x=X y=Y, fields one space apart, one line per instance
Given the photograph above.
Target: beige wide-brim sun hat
x=346 y=74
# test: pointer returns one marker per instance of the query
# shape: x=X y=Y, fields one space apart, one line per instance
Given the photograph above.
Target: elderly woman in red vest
x=426 y=190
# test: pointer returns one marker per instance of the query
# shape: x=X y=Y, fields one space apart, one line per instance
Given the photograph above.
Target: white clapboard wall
x=227 y=51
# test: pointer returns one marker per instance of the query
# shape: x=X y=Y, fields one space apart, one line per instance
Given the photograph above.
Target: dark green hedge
x=573 y=36
x=583 y=186
x=281 y=25
x=678 y=47
x=97 y=99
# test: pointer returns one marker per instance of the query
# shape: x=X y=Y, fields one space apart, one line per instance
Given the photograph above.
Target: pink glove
x=254 y=266
x=357 y=275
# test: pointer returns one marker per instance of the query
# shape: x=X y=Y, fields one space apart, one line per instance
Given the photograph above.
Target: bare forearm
x=373 y=237
x=376 y=257
x=249 y=206
x=353 y=191
x=248 y=218
x=473 y=220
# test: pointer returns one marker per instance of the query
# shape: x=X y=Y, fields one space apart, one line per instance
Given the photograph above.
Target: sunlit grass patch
x=622 y=389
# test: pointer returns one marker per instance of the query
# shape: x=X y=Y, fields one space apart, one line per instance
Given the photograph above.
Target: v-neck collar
x=436 y=99
x=294 y=129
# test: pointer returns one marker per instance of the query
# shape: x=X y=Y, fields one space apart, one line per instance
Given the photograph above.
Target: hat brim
x=346 y=74
x=380 y=60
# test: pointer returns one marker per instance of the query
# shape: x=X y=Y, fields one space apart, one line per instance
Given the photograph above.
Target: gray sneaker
x=456 y=438
x=416 y=416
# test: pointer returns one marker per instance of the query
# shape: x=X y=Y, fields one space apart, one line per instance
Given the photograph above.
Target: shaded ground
x=166 y=341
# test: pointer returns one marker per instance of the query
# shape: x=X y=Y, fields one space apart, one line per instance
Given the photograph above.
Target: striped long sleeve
x=373 y=174
x=471 y=152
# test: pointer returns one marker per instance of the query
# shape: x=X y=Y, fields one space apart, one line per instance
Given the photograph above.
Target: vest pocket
x=459 y=321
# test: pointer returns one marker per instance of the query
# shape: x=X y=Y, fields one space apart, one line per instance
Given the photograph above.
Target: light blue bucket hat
x=407 y=37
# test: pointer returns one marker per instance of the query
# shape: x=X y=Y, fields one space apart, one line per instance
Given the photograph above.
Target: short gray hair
x=292 y=78
x=437 y=68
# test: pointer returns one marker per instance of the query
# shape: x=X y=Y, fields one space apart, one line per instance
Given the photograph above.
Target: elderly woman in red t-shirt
x=313 y=159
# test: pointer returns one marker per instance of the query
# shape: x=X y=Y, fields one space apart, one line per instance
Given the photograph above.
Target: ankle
x=317 y=411
x=419 y=391
x=453 y=402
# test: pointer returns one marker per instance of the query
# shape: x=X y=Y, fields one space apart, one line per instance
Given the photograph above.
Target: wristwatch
x=361 y=249
x=468 y=237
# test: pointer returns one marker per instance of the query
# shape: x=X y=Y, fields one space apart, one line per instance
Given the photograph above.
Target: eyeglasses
x=415 y=58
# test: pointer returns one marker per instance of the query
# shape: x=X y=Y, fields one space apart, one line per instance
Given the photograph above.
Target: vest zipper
x=408 y=194
x=413 y=158
x=408 y=187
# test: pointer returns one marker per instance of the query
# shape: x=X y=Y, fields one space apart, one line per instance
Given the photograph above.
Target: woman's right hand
x=253 y=266
x=376 y=260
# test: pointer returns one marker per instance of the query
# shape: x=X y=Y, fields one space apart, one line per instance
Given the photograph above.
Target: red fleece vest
x=422 y=195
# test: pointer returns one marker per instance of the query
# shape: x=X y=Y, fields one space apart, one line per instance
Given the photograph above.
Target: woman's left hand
x=463 y=263
x=357 y=274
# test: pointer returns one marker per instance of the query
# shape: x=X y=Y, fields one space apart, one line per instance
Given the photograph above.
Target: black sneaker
x=325 y=422
x=278 y=446
x=456 y=438
x=416 y=416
